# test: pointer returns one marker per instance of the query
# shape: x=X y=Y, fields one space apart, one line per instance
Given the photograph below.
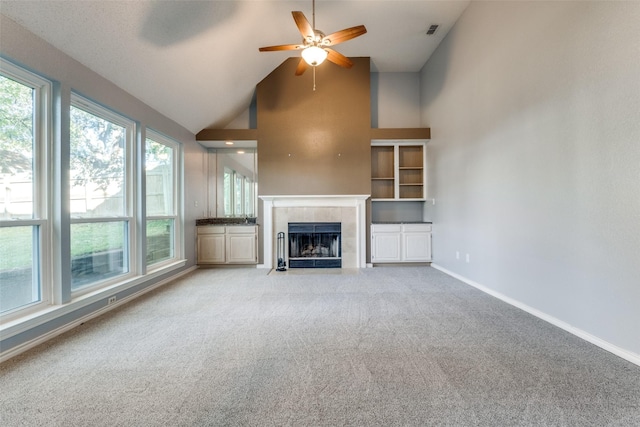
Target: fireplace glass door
x=315 y=245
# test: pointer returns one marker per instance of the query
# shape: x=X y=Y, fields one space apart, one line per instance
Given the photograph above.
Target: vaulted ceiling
x=197 y=62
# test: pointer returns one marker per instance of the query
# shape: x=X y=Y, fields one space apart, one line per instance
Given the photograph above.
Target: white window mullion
x=135 y=267
x=27 y=226
x=140 y=203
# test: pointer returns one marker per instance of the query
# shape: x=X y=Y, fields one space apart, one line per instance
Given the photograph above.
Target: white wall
x=25 y=48
x=534 y=161
x=395 y=100
x=246 y=119
x=33 y=53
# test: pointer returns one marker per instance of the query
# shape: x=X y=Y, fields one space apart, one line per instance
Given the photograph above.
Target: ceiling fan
x=315 y=44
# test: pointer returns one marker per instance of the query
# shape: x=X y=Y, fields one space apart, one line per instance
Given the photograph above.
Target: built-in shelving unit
x=398 y=170
x=382 y=172
x=400 y=216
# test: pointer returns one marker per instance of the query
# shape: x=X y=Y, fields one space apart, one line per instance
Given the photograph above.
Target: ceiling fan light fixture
x=316 y=46
x=314 y=55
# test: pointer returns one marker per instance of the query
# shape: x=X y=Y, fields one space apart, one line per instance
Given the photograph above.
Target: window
x=100 y=181
x=71 y=217
x=248 y=197
x=227 y=189
x=24 y=227
x=162 y=184
x=238 y=194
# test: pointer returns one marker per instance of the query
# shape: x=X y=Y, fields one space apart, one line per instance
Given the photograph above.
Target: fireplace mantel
x=355 y=201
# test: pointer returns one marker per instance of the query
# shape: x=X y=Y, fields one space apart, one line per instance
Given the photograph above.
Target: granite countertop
x=226 y=221
x=401 y=222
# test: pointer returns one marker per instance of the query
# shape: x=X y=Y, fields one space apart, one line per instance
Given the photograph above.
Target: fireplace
x=347 y=209
x=315 y=245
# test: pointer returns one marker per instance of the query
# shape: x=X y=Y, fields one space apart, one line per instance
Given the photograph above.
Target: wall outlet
x=467 y=257
x=111 y=300
x=457 y=254
x=195 y=204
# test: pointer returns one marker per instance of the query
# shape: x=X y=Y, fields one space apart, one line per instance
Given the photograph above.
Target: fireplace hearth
x=315 y=245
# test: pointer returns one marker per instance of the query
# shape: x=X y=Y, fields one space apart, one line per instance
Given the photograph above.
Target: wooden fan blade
x=302 y=67
x=344 y=35
x=281 y=47
x=338 y=58
x=303 y=24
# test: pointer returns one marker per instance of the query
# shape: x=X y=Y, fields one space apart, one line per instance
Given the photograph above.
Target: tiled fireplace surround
x=350 y=210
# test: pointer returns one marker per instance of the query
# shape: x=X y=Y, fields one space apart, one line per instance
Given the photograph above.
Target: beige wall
x=315 y=142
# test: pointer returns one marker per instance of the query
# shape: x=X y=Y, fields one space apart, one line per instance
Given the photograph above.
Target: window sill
x=52 y=312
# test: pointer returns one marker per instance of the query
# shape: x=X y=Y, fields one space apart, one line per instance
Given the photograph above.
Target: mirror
x=233 y=182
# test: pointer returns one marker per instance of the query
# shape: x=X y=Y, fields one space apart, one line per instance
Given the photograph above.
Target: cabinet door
x=416 y=246
x=241 y=248
x=211 y=248
x=385 y=247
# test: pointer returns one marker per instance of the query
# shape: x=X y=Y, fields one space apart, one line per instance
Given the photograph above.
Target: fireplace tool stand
x=282 y=266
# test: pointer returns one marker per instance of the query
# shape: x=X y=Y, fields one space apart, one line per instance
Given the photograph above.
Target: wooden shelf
x=227 y=134
x=382 y=188
x=397 y=170
x=410 y=191
x=410 y=156
x=411 y=176
x=382 y=162
x=401 y=133
x=382 y=172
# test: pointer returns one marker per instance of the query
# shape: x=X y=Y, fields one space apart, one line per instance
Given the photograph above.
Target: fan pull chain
x=313 y=14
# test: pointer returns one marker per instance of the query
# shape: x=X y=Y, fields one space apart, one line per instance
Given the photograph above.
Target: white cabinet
x=241 y=245
x=211 y=247
x=227 y=244
x=400 y=243
x=385 y=242
x=416 y=242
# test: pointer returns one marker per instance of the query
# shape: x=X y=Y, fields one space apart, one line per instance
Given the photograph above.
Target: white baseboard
x=14 y=351
x=620 y=352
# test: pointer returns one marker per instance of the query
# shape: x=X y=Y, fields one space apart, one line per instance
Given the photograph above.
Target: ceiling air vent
x=432 y=29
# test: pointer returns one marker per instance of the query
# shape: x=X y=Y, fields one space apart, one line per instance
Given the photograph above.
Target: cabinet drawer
x=416 y=228
x=211 y=229
x=241 y=229
x=386 y=228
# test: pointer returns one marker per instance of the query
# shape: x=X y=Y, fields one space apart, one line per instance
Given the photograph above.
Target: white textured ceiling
x=197 y=62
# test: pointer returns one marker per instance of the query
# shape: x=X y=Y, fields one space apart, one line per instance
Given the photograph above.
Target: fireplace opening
x=315 y=245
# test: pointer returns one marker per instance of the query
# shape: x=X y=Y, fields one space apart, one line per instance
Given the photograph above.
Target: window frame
x=50 y=219
x=128 y=216
x=41 y=187
x=240 y=195
x=176 y=198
